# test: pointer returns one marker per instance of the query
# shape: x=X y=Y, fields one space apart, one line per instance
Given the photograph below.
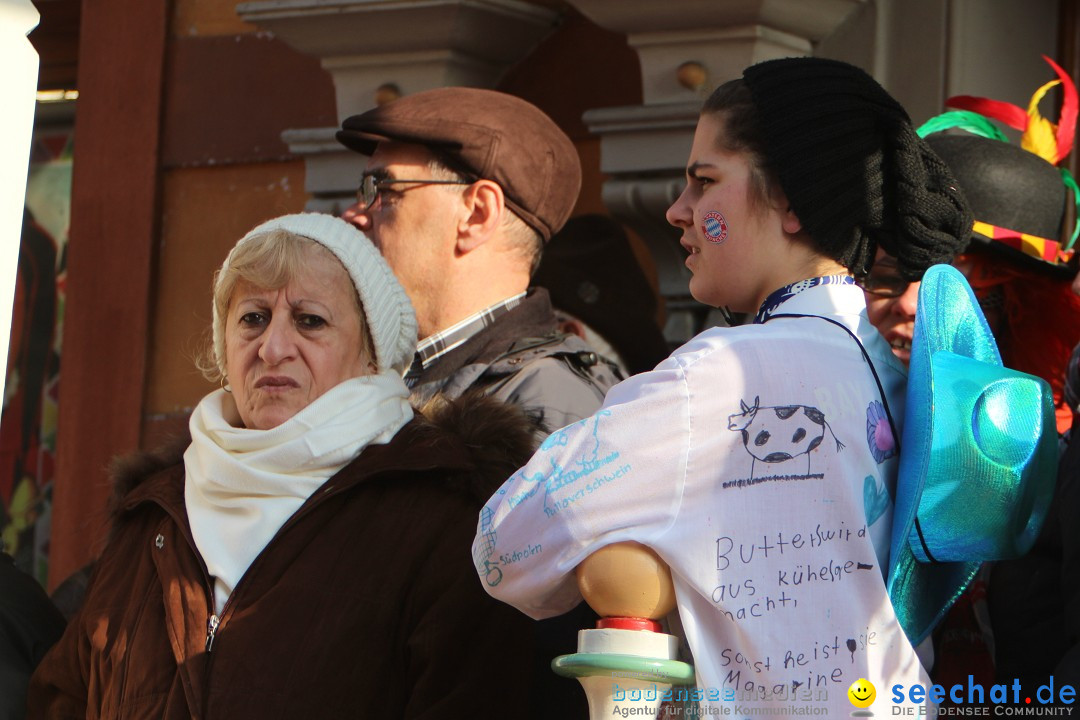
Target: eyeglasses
x=371 y=186
x=883 y=281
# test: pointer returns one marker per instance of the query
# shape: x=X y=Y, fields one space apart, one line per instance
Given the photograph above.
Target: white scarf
x=242 y=485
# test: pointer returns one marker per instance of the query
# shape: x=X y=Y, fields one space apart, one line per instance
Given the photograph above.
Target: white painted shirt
x=757 y=462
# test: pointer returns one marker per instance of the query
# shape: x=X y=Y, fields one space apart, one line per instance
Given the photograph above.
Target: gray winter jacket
x=522 y=358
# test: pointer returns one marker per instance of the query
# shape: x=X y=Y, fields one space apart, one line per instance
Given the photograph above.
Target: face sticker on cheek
x=714 y=226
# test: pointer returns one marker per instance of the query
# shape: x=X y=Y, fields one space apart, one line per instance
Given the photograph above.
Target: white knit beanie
x=387 y=310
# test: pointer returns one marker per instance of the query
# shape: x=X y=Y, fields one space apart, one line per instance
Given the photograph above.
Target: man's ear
x=570 y=326
x=484 y=208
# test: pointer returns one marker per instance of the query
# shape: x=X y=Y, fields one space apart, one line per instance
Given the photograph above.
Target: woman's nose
x=680 y=214
x=278 y=341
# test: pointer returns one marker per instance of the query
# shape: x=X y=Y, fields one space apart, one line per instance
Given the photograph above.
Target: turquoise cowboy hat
x=978 y=458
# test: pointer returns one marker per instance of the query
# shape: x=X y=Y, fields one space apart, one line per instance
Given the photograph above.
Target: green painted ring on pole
x=671 y=672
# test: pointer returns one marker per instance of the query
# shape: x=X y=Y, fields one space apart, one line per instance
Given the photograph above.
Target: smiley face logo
x=862 y=693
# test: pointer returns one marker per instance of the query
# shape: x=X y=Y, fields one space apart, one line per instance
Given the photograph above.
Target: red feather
x=1066 y=129
x=1011 y=115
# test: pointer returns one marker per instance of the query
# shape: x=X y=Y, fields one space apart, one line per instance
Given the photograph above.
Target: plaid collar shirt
x=435 y=346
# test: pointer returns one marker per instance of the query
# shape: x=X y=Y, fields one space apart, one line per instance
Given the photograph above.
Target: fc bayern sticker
x=715 y=227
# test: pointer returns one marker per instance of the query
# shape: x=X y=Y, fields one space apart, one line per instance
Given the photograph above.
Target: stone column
x=378 y=48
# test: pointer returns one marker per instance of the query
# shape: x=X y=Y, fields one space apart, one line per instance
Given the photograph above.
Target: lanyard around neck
x=866 y=356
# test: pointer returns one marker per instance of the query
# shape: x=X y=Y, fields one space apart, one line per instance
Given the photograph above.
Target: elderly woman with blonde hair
x=305 y=552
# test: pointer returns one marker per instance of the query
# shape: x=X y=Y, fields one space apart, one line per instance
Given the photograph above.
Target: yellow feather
x=1040 y=135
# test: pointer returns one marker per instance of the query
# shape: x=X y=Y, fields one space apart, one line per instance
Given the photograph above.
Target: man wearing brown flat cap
x=463 y=188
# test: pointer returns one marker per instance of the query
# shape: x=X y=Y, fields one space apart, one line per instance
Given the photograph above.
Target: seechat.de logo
x=1001 y=700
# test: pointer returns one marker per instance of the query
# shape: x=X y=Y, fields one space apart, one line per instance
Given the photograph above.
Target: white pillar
x=18 y=87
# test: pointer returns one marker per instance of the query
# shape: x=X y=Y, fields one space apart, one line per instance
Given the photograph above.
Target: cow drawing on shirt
x=780 y=433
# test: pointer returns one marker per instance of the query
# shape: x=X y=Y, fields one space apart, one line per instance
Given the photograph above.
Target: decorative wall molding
x=724 y=37
x=365 y=44
x=332 y=172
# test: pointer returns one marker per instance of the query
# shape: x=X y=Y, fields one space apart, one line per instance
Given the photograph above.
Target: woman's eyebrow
x=693 y=168
x=308 y=304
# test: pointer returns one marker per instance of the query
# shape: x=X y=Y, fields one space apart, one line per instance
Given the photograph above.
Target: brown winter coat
x=364 y=605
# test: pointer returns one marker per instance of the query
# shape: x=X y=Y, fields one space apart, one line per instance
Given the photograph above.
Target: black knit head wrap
x=853 y=169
